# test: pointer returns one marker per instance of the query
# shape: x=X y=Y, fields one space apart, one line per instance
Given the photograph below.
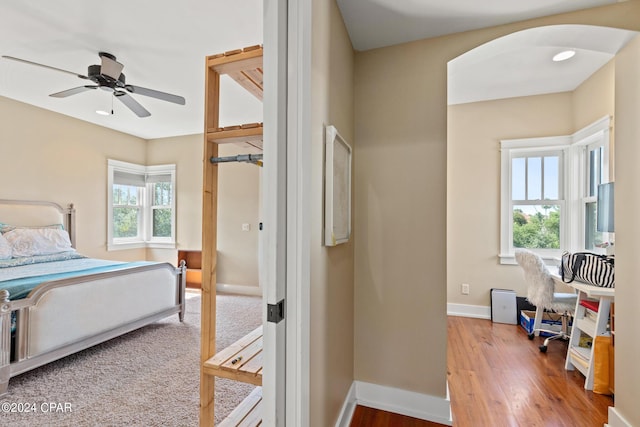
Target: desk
x=578 y=357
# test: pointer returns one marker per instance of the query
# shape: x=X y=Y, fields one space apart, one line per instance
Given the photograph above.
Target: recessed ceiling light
x=103 y=113
x=564 y=55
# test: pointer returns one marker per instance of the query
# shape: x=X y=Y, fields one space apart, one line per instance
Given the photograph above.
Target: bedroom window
x=596 y=171
x=534 y=206
x=142 y=206
x=536 y=197
x=549 y=192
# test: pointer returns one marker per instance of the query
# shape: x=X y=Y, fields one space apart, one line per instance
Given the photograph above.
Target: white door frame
x=298 y=212
x=286 y=184
x=274 y=202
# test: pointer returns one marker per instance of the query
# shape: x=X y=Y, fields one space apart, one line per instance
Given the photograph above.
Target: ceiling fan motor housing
x=95 y=75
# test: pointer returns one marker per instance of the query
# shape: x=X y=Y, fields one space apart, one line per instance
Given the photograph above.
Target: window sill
x=161 y=245
x=138 y=245
x=552 y=260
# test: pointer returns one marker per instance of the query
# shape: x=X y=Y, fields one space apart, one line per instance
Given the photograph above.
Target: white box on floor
x=503 y=306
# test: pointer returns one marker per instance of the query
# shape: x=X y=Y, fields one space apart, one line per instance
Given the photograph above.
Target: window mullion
x=542 y=178
x=526 y=178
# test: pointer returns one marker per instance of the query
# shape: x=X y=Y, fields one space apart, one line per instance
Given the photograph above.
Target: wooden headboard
x=30 y=213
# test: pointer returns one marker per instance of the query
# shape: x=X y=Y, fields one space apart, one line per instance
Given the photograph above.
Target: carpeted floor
x=149 y=377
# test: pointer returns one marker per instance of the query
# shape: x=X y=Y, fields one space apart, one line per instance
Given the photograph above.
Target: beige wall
x=401 y=215
x=332 y=268
x=627 y=104
x=595 y=98
x=49 y=156
x=238 y=203
x=473 y=193
x=186 y=153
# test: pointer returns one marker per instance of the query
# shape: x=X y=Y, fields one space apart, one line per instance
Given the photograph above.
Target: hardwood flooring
x=369 y=417
x=498 y=377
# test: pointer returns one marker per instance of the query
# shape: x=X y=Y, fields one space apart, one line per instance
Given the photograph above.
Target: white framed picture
x=337 y=188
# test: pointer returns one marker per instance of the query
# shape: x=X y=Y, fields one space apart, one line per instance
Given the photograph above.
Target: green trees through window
x=142 y=200
x=162 y=223
x=161 y=205
x=125 y=221
x=536 y=227
x=126 y=211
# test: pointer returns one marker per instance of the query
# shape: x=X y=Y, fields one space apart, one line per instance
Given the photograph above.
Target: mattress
x=20 y=276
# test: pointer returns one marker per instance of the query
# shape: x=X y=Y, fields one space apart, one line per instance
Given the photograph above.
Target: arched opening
x=510 y=88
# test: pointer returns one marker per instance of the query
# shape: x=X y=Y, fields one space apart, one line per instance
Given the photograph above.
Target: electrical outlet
x=464 y=289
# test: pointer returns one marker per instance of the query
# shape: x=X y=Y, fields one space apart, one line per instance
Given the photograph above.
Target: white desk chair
x=541 y=293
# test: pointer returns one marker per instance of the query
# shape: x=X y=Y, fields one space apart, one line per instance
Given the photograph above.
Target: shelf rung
x=241 y=361
x=248 y=413
x=244 y=135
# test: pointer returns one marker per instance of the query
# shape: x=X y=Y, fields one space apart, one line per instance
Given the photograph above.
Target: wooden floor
x=497 y=377
x=368 y=417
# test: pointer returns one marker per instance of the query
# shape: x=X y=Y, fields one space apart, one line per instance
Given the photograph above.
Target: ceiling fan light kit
x=108 y=76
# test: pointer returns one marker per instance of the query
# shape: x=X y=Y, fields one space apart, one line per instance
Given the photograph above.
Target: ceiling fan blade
x=155 y=94
x=133 y=105
x=45 y=66
x=110 y=67
x=73 y=91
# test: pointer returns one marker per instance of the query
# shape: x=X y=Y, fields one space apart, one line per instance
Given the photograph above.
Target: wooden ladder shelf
x=241 y=361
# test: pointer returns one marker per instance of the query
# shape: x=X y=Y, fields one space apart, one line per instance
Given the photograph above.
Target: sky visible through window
x=531 y=176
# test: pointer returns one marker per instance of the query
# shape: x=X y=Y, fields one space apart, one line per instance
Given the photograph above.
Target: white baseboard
x=409 y=403
x=616 y=420
x=239 y=289
x=344 y=420
x=466 y=310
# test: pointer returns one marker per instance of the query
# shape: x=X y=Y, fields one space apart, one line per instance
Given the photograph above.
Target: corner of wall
x=398 y=401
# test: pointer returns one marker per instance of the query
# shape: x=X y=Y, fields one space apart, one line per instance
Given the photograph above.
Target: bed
x=55 y=302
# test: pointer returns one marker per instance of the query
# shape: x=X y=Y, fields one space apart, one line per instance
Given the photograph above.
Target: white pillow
x=5 y=248
x=38 y=241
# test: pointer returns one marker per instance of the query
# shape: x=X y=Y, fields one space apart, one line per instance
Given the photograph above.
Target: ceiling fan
x=108 y=76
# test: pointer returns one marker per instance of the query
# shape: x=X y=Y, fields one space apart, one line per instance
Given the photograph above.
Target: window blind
x=155 y=178
x=128 y=178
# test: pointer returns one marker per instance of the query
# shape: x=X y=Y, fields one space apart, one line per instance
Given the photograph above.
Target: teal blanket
x=21 y=280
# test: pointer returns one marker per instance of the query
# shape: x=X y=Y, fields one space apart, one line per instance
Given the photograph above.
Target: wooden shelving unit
x=582 y=358
x=242 y=361
x=248 y=413
x=247 y=135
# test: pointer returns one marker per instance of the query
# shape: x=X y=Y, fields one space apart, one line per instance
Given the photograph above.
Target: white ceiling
x=520 y=64
x=163 y=43
x=378 y=23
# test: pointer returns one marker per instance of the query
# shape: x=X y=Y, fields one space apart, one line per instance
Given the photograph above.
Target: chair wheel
x=543 y=348
x=531 y=336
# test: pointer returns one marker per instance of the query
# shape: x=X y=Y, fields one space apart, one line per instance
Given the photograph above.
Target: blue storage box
x=550 y=321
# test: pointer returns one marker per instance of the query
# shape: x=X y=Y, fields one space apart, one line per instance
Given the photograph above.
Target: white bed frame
x=62 y=317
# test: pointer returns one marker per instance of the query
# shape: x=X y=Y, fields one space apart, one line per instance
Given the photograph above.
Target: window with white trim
x=549 y=192
x=594 y=163
x=142 y=206
x=537 y=199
